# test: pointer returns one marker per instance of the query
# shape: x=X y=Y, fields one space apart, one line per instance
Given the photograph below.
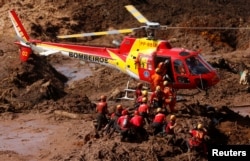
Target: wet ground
x=31 y=93
x=27 y=133
x=74 y=70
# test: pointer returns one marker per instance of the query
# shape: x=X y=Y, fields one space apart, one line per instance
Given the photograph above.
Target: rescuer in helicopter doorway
x=156 y=79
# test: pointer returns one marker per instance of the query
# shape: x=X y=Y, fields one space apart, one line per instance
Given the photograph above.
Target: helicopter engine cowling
x=25 y=53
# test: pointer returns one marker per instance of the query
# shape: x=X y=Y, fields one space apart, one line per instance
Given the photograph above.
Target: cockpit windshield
x=196 y=66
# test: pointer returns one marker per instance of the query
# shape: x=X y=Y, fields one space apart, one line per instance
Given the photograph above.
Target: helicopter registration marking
x=90 y=58
x=148 y=44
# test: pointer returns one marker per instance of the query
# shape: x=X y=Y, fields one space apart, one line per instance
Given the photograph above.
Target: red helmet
x=103 y=98
x=119 y=108
x=124 y=112
x=136 y=112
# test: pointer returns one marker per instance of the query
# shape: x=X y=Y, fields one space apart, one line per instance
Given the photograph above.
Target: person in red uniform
x=123 y=123
x=157 y=98
x=138 y=101
x=169 y=96
x=102 y=110
x=138 y=90
x=156 y=79
x=143 y=109
x=113 y=119
x=197 y=141
x=137 y=122
x=169 y=129
x=159 y=121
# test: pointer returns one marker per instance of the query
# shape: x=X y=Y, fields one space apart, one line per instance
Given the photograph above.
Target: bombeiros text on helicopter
x=137 y=57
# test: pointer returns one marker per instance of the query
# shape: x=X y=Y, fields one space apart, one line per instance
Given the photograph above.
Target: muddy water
x=244 y=111
x=24 y=136
x=74 y=70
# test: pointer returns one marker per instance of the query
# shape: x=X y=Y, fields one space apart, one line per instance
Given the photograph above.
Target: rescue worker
x=137 y=122
x=102 y=110
x=138 y=90
x=182 y=70
x=158 y=122
x=138 y=102
x=169 y=97
x=113 y=119
x=157 y=98
x=197 y=141
x=169 y=129
x=163 y=69
x=156 y=79
x=123 y=123
x=143 y=109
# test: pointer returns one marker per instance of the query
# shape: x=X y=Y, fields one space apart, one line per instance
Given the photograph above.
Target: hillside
x=34 y=93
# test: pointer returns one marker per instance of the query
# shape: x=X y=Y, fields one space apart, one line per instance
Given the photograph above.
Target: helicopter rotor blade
x=136 y=14
x=204 y=28
x=110 y=32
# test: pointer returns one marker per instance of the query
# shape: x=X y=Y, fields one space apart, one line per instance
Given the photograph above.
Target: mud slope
x=37 y=88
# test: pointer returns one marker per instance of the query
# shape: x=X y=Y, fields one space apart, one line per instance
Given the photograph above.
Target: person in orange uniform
x=159 y=121
x=143 y=109
x=197 y=141
x=123 y=123
x=163 y=69
x=169 y=96
x=156 y=79
x=102 y=110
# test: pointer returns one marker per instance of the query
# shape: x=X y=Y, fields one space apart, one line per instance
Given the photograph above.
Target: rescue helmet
x=172 y=117
x=158 y=110
x=165 y=83
x=160 y=65
x=119 y=107
x=144 y=99
x=136 y=112
x=103 y=97
x=144 y=93
x=199 y=126
x=124 y=112
x=158 y=88
x=157 y=70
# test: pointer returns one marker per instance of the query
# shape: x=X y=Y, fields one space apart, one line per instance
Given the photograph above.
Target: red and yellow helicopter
x=137 y=57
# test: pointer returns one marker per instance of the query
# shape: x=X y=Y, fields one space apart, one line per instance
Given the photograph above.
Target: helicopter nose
x=215 y=79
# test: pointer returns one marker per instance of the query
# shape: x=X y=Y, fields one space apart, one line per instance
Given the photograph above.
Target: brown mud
x=44 y=117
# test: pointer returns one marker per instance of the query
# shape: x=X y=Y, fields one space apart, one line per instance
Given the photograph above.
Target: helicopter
x=137 y=57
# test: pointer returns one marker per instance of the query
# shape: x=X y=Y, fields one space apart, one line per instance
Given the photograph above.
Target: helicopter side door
x=145 y=66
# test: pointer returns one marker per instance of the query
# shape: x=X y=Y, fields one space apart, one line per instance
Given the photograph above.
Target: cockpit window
x=179 y=67
x=195 y=66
